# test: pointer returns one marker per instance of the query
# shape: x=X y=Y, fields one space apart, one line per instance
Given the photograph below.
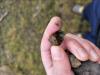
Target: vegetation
x=21 y=31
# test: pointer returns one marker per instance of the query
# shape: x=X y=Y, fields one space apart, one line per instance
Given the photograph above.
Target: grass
x=22 y=29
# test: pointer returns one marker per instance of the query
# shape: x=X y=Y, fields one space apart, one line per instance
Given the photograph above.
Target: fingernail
x=82 y=53
x=94 y=55
x=56 y=53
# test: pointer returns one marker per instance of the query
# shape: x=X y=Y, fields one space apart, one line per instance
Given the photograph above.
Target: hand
x=55 y=60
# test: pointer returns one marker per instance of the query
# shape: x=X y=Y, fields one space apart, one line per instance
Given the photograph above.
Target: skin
x=54 y=58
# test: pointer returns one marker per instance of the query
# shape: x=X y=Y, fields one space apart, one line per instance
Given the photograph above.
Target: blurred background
x=22 y=23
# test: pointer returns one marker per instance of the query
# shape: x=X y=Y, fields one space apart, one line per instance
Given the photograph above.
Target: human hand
x=55 y=60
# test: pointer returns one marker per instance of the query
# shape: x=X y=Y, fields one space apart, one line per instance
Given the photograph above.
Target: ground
x=22 y=28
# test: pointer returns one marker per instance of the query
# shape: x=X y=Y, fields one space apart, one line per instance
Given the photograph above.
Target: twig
x=3 y=16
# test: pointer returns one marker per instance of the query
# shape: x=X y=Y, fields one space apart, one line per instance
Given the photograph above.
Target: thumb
x=60 y=61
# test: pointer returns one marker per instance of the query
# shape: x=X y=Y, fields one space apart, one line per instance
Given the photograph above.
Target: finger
x=75 y=48
x=97 y=50
x=52 y=27
x=60 y=61
x=94 y=55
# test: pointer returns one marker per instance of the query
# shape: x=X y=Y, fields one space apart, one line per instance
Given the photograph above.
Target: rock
x=56 y=39
x=74 y=62
x=88 y=68
x=4 y=70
